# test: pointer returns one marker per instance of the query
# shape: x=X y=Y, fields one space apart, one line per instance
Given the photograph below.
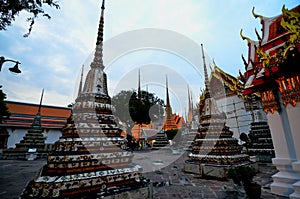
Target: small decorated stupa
x=87 y=161
x=169 y=128
x=214 y=149
x=169 y=122
x=33 y=141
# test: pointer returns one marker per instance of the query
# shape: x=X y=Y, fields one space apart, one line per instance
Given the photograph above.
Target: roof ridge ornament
x=244 y=37
x=256 y=15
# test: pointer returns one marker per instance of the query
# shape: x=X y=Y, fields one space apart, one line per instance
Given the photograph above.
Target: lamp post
x=14 y=69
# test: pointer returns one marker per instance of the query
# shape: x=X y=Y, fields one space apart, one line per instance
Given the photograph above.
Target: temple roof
x=276 y=54
x=232 y=83
x=22 y=115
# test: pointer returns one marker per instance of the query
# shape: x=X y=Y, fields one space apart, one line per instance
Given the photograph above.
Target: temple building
x=87 y=161
x=227 y=91
x=214 y=149
x=272 y=70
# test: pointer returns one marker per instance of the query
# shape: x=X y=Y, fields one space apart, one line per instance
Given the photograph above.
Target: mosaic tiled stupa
x=169 y=128
x=33 y=140
x=214 y=148
x=87 y=161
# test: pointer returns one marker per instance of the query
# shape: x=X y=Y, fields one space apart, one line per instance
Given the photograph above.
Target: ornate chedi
x=33 y=140
x=169 y=128
x=214 y=148
x=261 y=144
x=169 y=122
x=273 y=71
x=87 y=161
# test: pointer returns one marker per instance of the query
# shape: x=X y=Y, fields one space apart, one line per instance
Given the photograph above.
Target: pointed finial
x=98 y=56
x=205 y=70
x=39 y=110
x=80 y=83
x=189 y=97
x=167 y=92
x=139 y=85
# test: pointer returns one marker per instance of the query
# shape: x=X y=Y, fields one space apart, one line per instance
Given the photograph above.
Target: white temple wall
x=16 y=135
x=237 y=118
x=52 y=135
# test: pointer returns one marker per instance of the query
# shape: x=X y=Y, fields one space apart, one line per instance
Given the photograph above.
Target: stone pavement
x=168 y=182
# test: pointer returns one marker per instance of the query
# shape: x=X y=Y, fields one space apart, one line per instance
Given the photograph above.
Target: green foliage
x=11 y=8
x=241 y=174
x=3 y=109
x=132 y=109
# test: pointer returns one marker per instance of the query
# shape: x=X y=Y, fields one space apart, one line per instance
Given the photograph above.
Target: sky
x=159 y=37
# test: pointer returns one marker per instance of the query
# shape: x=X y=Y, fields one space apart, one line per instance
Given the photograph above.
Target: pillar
x=285 y=151
x=294 y=116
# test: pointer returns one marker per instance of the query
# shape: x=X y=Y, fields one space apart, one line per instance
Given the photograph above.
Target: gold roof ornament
x=256 y=15
x=243 y=37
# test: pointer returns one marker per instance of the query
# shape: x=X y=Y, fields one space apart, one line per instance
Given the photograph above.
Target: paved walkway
x=168 y=182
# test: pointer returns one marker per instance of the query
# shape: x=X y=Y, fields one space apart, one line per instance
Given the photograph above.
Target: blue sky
x=52 y=56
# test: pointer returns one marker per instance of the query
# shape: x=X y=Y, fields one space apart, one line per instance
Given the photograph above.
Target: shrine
x=32 y=145
x=169 y=128
x=87 y=161
x=214 y=150
x=272 y=71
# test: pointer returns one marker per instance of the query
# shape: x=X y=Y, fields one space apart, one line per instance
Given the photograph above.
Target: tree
x=4 y=113
x=130 y=108
x=11 y=8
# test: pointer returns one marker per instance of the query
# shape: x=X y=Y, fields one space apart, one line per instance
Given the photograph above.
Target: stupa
x=32 y=142
x=169 y=128
x=214 y=149
x=261 y=141
x=87 y=161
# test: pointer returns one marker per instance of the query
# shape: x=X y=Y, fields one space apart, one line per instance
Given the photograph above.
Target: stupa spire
x=139 y=85
x=98 y=56
x=167 y=93
x=37 y=122
x=41 y=100
x=80 y=84
x=205 y=72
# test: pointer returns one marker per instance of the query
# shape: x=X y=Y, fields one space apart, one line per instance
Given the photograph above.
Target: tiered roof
x=22 y=115
x=274 y=58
